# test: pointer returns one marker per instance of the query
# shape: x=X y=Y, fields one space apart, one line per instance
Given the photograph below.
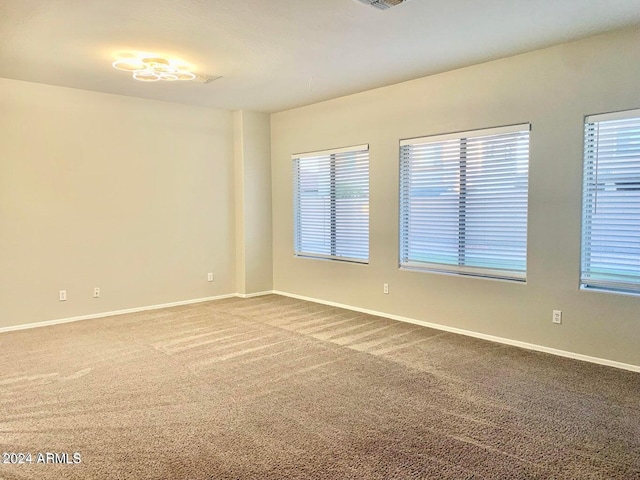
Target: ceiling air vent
x=202 y=78
x=382 y=4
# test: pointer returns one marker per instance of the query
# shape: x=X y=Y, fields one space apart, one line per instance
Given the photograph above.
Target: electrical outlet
x=385 y=288
x=62 y=295
x=210 y=277
x=96 y=292
x=557 y=316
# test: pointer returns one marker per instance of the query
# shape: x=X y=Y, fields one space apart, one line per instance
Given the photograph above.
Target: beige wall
x=129 y=195
x=252 y=160
x=553 y=89
x=141 y=198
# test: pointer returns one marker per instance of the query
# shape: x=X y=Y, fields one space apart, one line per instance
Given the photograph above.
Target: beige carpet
x=277 y=388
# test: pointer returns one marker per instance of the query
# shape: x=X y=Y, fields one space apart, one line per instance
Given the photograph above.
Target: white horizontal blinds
x=464 y=202
x=495 y=210
x=312 y=205
x=611 y=202
x=331 y=191
x=429 y=202
x=352 y=205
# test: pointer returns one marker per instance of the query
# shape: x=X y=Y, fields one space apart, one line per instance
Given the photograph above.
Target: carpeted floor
x=277 y=388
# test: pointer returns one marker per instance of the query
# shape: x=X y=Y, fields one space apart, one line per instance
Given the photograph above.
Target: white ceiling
x=278 y=54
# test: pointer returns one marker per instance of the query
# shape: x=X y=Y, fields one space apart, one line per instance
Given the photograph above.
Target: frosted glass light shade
x=152 y=69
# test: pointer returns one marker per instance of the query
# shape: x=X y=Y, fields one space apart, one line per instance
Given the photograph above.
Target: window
x=463 y=202
x=611 y=202
x=331 y=204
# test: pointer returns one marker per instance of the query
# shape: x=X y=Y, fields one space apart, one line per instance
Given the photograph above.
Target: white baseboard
x=92 y=316
x=251 y=295
x=112 y=313
x=469 y=333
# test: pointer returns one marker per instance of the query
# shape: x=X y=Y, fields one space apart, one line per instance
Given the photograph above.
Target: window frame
x=405 y=262
x=335 y=160
x=589 y=280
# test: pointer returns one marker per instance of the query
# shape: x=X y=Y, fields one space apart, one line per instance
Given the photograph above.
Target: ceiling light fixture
x=153 y=69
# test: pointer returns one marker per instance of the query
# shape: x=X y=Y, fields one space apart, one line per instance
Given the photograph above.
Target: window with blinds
x=331 y=204
x=611 y=202
x=463 y=202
